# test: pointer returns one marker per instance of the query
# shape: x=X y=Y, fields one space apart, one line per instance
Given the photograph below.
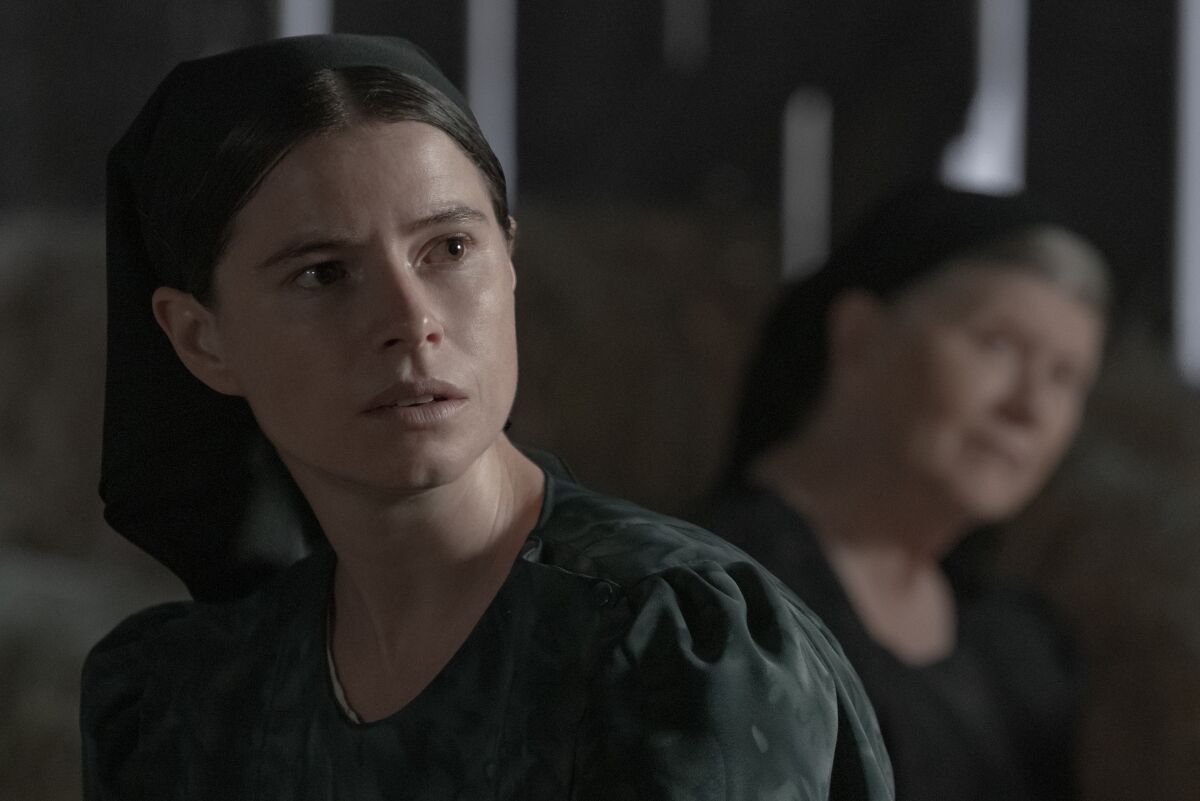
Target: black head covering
x=909 y=236
x=914 y=232
x=186 y=474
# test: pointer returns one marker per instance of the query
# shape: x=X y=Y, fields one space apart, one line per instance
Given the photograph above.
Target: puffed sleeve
x=114 y=685
x=724 y=686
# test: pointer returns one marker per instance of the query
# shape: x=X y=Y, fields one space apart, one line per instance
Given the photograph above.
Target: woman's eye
x=320 y=275
x=450 y=249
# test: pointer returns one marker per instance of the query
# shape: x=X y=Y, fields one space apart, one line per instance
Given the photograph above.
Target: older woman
x=925 y=382
x=310 y=243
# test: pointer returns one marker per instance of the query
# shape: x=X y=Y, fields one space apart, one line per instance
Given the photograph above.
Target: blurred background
x=671 y=161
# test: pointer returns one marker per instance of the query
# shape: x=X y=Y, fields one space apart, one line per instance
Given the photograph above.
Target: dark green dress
x=627 y=656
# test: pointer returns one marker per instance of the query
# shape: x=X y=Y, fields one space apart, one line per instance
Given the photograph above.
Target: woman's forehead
x=410 y=166
x=1000 y=290
x=973 y=281
x=403 y=144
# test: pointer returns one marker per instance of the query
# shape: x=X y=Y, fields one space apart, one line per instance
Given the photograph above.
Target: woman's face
x=978 y=380
x=364 y=308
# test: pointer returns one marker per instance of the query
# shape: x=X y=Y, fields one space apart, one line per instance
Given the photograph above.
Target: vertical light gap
x=1187 y=197
x=806 y=183
x=492 y=78
x=990 y=154
x=685 y=34
x=301 y=17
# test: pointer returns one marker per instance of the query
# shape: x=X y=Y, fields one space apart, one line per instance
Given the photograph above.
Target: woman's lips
x=1010 y=456
x=421 y=411
x=420 y=402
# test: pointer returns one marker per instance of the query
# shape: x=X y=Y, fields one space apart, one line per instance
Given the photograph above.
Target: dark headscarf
x=909 y=236
x=186 y=474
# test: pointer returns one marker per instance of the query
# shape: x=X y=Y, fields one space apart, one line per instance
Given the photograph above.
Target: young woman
x=310 y=239
x=923 y=383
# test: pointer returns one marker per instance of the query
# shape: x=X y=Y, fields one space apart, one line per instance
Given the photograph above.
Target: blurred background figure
x=925 y=382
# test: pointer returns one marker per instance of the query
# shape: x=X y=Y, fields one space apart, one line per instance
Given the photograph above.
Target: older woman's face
x=980 y=376
x=364 y=308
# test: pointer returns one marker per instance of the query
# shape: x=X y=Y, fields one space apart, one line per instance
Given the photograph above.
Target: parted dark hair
x=327 y=101
x=903 y=241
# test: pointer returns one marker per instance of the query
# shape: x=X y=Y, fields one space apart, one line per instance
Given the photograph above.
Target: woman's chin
x=992 y=504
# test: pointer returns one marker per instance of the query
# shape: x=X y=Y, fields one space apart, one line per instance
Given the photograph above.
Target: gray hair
x=1062 y=257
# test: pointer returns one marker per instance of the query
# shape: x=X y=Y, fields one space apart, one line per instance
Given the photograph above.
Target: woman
x=321 y=233
x=923 y=383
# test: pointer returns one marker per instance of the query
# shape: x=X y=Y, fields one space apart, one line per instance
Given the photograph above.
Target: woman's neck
x=855 y=493
x=441 y=528
x=884 y=542
x=415 y=575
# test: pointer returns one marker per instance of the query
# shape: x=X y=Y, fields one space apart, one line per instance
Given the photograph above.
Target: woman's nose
x=1036 y=397
x=1025 y=396
x=405 y=312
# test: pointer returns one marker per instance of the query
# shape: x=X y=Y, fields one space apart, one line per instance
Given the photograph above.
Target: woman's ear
x=192 y=328
x=855 y=326
x=512 y=246
x=512 y=234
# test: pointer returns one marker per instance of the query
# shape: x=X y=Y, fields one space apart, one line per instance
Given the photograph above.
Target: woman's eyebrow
x=302 y=248
x=451 y=214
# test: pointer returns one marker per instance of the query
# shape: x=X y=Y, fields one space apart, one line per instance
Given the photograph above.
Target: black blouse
x=627 y=656
x=994 y=721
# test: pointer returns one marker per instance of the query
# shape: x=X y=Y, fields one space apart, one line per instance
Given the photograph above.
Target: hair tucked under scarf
x=186 y=474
